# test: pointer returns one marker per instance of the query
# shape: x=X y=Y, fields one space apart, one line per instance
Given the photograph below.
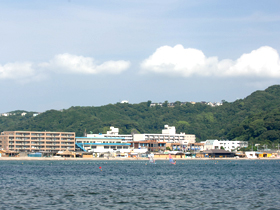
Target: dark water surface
x=191 y=184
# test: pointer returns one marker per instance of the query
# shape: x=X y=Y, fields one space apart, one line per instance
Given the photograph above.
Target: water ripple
x=191 y=184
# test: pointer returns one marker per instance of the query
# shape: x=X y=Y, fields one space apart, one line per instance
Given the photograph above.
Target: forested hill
x=255 y=118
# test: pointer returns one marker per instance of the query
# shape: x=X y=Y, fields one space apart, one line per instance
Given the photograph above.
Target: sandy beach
x=123 y=159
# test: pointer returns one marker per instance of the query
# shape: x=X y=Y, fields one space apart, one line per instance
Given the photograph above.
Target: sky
x=55 y=54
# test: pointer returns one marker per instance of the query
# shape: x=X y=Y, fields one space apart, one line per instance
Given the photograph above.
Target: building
x=23 y=113
x=251 y=154
x=195 y=147
x=218 y=153
x=37 y=141
x=150 y=145
x=102 y=144
x=224 y=144
x=168 y=135
x=113 y=133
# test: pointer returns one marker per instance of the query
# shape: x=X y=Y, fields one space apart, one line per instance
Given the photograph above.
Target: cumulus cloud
x=187 y=62
x=62 y=63
x=67 y=63
x=23 y=72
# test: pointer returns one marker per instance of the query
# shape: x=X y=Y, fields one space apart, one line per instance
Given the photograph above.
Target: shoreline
x=125 y=159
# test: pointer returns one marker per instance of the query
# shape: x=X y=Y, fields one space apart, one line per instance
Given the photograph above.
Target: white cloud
x=178 y=61
x=67 y=63
x=63 y=63
x=22 y=72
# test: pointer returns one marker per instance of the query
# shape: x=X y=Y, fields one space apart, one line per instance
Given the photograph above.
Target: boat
x=171 y=160
x=151 y=159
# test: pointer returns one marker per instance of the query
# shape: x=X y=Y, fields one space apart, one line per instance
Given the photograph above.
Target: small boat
x=171 y=160
x=151 y=159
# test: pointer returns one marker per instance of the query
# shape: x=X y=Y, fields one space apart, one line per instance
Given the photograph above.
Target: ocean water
x=190 y=184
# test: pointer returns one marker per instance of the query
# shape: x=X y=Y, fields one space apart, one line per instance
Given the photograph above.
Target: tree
x=165 y=104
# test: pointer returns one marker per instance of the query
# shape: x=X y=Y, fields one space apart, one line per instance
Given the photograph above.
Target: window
x=106 y=147
x=113 y=147
x=119 y=147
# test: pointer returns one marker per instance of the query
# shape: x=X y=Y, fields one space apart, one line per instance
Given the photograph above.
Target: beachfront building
x=149 y=145
x=195 y=147
x=218 y=153
x=37 y=141
x=168 y=136
x=103 y=144
x=113 y=133
x=224 y=144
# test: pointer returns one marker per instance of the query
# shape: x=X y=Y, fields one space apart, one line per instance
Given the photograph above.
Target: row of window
x=105 y=142
x=112 y=147
x=28 y=142
x=42 y=134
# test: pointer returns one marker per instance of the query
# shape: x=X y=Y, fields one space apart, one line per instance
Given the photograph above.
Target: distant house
x=155 y=104
x=35 y=114
x=171 y=104
x=124 y=102
x=23 y=113
x=226 y=144
x=5 y=114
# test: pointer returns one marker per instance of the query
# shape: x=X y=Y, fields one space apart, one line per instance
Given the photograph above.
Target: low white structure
x=226 y=144
x=168 y=135
x=251 y=154
x=124 y=102
x=139 y=151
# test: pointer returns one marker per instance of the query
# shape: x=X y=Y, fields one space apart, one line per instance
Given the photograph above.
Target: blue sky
x=58 y=54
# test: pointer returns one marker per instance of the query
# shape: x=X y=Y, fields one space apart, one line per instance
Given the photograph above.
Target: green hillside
x=255 y=118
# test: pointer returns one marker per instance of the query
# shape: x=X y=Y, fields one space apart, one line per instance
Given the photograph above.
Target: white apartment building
x=102 y=144
x=226 y=144
x=168 y=135
x=113 y=133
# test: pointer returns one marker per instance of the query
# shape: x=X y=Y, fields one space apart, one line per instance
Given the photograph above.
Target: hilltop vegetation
x=255 y=119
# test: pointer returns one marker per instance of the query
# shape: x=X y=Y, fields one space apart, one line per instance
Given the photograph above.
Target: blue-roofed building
x=103 y=144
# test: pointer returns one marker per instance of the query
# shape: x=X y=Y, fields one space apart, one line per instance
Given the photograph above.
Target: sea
x=125 y=184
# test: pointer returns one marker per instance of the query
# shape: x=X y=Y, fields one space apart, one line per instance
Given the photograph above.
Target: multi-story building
x=195 y=146
x=102 y=144
x=37 y=141
x=113 y=133
x=168 y=135
x=225 y=144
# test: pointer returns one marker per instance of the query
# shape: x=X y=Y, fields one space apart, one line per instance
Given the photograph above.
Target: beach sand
x=140 y=159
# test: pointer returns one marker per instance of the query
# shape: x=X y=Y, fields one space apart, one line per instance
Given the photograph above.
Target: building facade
x=224 y=144
x=103 y=144
x=150 y=145
x=37 y=141
x=168 y=135
x=113 y=133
